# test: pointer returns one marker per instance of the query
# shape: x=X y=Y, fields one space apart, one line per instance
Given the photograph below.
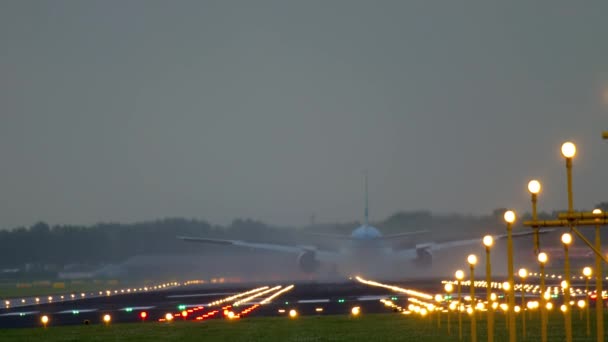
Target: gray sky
x=136 y=110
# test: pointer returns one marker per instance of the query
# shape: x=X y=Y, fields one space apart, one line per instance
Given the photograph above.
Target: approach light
x=168 y=317
x=293 y=313
x=566 y=238
x=581 y=303
x=587 y=271
x=568 y=149
x=534 y=187
x=564 y=308
x=506 y=286
x=44 y=320
x=509 y=216
x=596 y=211
x=564 y=284
x=448 y=287
x=107 y=318
x=143 y=315
x=355 y=311
x=472 y=259
x=488 y=241
x=523 y=273
x=459 y=274
x=542 y=257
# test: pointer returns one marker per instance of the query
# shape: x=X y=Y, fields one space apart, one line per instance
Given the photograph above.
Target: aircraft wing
x=402 y=235
x=386 y=237
x=436 y=246
x=297 y=249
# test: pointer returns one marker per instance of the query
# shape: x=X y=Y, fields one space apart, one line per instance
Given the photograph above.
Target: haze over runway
x=127 y=111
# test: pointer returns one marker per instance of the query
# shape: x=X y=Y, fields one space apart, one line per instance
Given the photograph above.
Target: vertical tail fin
x=366 y=203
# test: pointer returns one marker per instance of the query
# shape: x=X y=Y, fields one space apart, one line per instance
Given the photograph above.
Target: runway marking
x=368 y=298
x=77 y=311
x=137 y=308
x=19 y=313
x=303 y=301
x=201 y=295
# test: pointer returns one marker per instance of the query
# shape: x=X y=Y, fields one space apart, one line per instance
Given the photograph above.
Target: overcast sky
x=137 y=110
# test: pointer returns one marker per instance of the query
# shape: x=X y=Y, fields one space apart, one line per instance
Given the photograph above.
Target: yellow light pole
x=438 y=299
x=542 y=260
x=566 y=241
x=587 y=274
x=599 y=302
x=523 y=273
x=459 y=276
x=449 y=288
x=534 y=189
x=488 y=241
x=472 y=260
x=506 y=288
x=510 y=218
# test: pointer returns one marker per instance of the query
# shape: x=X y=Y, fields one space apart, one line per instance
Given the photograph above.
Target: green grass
x=376 y=327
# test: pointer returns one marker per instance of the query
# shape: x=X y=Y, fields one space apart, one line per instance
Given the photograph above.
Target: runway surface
x=196 y=301
x=202 y=302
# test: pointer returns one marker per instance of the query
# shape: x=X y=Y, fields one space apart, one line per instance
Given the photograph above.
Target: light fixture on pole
x=472 y=260
x=587 y=274
x=459 y=276
x=599 y=301
x=566 y=241
x=488 y=241
x=542 y=260
x=438 y=299
x=534 y=189
x=569 y=151
x=523 y=273
x=449 y=288
x=509 y=217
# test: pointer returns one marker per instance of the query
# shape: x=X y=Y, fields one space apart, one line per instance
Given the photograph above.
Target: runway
x=194 y=301
x=191 y=302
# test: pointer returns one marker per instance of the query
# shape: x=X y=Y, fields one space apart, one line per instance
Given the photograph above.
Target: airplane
x=367 y=248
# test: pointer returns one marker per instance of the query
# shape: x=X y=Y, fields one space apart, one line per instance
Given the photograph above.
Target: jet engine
x=424 y=258
x=308 y=262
